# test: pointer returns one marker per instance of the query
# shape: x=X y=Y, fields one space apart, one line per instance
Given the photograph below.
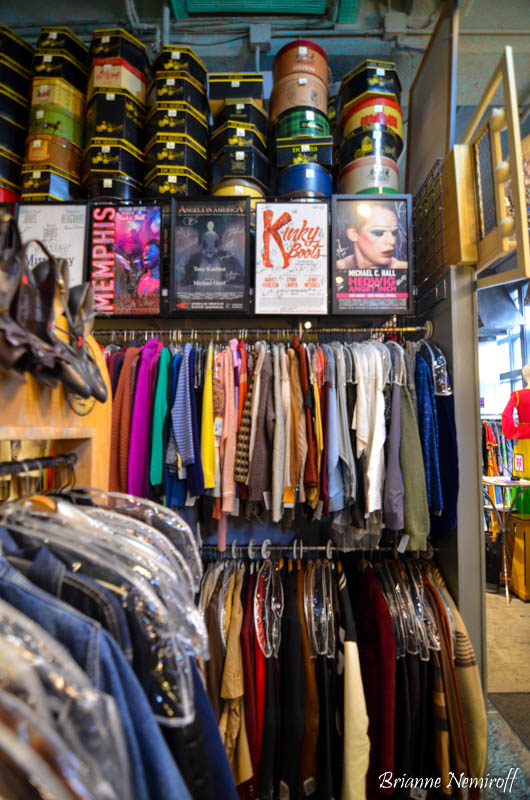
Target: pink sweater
x=228 y=439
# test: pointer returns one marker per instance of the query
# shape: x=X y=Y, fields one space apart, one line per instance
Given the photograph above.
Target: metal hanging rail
x=297 y=549
x=242 y=332
x=28 y=464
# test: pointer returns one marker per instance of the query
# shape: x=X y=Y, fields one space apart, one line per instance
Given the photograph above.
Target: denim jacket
x=154 y=772
x=83 y=593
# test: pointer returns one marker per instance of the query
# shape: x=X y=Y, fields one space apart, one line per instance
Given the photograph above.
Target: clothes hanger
x=328 y=592
x=308 y=576
x=417 y=596
x=164 y=519
x=228 y=574
x=407 y=605
x=149 y=548
x=386 y=584
x=135 y=527
x=259 y=612
x=317 y=608
x=276 y=606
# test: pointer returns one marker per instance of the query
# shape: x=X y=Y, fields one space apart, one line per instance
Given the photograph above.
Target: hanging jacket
x=278 y=453
x=415 y=508
x=428 y=430
x=121 y=424
x=260 y=474
x=356 y=747
x=310 y=470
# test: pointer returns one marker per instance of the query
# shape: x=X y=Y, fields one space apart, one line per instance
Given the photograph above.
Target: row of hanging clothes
x=497 y=450
x=100 y=694
x=497 y=460
x=331 y=677
x=360 y=434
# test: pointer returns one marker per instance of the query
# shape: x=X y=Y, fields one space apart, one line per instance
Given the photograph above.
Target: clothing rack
x=296 y=550
x=46 y=462
x=177 y=334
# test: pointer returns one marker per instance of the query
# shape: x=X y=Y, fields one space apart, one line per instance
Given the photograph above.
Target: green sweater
x=416 y=509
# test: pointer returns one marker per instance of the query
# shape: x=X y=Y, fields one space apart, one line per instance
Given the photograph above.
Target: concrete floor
x=508 y=657
x=508 y=643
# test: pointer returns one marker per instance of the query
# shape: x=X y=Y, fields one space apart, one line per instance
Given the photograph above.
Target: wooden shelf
x=31 y=411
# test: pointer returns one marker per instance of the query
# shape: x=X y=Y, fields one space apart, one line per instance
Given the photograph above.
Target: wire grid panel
x=485 y=184
x=427 y=223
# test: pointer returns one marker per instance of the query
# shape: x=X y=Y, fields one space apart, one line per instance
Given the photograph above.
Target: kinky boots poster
x=291 y=258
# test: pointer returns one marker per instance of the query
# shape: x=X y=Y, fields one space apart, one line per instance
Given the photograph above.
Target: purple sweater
x=141 y=414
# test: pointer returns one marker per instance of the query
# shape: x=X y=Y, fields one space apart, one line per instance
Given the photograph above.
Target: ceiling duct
x=497 y=311
x=183 y=8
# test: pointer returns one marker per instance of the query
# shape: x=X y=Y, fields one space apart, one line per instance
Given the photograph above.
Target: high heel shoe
x=80 y=323
x=51 y=278
x=20 y=349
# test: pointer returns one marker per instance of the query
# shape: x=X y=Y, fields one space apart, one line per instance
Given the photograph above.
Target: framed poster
x=125 y=258
x=291 y=258
x=210 y=255
x=372 y=254
x=61 y=227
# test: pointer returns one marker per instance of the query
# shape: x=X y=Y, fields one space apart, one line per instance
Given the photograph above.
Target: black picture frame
x=77 y=274
x=380 y=302
x=9 y=209
x=208 y=301
x=101 y=266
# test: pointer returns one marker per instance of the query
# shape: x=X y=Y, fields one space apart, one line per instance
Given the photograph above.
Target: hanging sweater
x=207 y=432
x=415 y=507
x=310 y=469
x=243 y=439
x=121 y=424
x=181 y=412
x=159 y=419
x=139 y=439
x=428 y=429
x=278 y=453
x=259 y=476
x=286 y=408
x=469 y=684
x=228 y=439
x=298 y=427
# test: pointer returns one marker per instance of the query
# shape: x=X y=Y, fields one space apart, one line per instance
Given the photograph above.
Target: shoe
x=20 y=349
x=81 y=322
x=51 y=279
